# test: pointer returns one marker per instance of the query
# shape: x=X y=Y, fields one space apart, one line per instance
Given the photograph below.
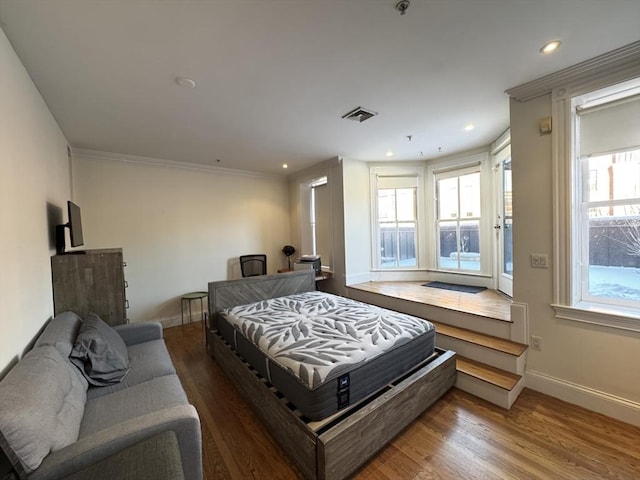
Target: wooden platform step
x=494 y=376
x=487 y=341
x=487 y=312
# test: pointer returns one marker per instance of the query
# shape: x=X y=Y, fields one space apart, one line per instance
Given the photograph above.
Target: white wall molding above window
x=616 y=66
x=502 y=142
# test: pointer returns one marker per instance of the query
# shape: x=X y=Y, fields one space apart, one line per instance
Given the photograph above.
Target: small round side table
x=189 y=297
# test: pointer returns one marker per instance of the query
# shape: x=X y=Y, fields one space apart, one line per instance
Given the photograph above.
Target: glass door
x=504 y=221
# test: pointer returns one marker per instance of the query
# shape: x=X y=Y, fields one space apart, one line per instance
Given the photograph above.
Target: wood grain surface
x=487 y=303
x=488 y=341
x=459 y=437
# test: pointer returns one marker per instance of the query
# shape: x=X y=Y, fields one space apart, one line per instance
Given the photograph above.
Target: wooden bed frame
x=332 y=448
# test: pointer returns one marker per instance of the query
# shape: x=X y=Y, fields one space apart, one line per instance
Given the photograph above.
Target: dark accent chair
x=252 y=265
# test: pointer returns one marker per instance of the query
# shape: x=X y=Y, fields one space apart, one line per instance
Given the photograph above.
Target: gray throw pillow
x=100 y=353
x=61 y=332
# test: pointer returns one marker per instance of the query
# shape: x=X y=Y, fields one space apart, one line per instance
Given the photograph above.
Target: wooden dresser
x=91 y=281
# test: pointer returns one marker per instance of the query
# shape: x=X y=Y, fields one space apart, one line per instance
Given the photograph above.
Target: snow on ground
x=614 y=282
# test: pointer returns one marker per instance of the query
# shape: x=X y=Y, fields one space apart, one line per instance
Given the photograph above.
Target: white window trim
x=475 y=169
x=564 y=289
x=486 y=186
x=417 y=171
x=307 y=236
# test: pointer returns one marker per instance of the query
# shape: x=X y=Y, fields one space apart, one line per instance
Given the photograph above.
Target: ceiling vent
x=359 y=115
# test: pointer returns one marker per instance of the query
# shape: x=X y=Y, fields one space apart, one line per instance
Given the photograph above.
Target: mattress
x=324 y=352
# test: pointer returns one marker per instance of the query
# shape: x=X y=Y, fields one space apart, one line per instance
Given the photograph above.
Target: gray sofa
x=54 y=424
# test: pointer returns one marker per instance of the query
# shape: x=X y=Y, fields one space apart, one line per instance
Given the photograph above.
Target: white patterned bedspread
x=311 y=333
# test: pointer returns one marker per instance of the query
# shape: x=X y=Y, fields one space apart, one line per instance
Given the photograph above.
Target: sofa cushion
x=42 y=403
x=100 y=353
x=60 y=332
x=155 y=458
x=136 y=401
x=133 y=333
x=148 y=360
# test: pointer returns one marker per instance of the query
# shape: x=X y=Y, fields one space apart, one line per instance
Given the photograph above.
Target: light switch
x=539 y=260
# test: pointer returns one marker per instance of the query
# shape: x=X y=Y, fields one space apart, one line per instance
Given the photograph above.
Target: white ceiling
x=274 y=77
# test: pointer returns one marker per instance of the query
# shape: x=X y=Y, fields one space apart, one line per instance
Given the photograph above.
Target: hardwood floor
x=488 y=303
x=460 y=437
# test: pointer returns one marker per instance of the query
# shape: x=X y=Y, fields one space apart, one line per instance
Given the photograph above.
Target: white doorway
x=504 y=220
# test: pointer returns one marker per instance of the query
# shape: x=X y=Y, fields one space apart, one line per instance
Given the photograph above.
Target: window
x=606 y=215
x=397 y=227
x=320 y=217
x=458 y=220
x=396 y=200
x=597 y=190
x=316 y=220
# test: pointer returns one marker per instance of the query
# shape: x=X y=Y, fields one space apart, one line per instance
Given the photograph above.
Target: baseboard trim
x=619 y=408
x=170 y=322
x=358 y=278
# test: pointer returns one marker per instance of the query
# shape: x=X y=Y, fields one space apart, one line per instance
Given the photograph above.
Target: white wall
x=357 y=221
x=596 y=367
x=180 y=228
x=34 y=188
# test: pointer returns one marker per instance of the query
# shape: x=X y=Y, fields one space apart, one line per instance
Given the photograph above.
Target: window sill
x=464 y=273
x=622 y=318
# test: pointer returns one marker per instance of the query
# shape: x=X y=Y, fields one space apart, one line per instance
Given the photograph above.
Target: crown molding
x=623 y=63
x=80 y=153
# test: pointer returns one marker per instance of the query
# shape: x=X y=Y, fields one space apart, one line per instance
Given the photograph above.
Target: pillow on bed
x=100 y=353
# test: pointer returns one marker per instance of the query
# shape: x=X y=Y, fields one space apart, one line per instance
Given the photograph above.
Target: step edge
x=522 y=348
x=472 y=314
x=513 y=378
x=492 y=358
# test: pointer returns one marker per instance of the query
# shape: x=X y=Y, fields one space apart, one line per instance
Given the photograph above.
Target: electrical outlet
x=536 y=343
x=539 y=260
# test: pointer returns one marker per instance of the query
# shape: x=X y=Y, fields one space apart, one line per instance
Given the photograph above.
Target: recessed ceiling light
x=550 y=47
x=185 y=82
x=469 y=127
x=284 y=165
x=389 y=153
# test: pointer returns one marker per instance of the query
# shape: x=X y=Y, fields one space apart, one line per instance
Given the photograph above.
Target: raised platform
x=475 y=325
x=488 y=303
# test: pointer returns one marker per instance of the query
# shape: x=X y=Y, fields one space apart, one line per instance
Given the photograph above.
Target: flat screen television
x=75 y=229
x=75 y=224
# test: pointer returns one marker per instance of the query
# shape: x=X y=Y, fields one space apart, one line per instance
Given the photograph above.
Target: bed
x=333 y=380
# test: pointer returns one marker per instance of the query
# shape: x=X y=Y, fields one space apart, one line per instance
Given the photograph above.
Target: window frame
x=581 y=261
x=307 y=214
x=458 y=219
x=314 y=184
x=566 y=168
x=461 y=164
x=418 y=173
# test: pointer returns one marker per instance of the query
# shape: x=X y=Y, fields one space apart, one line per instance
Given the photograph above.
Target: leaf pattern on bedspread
x=315 y=334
